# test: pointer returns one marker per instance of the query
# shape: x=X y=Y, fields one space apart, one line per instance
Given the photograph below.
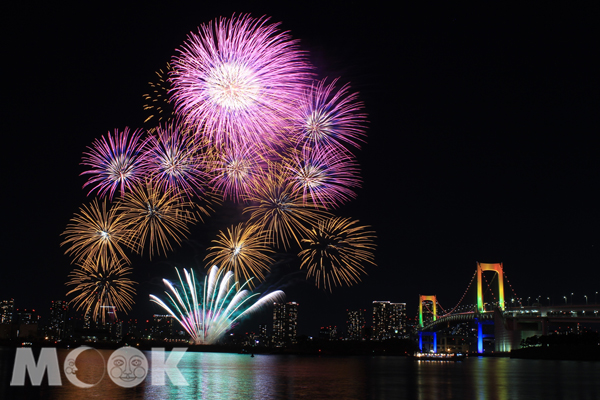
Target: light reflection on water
x=235 y=376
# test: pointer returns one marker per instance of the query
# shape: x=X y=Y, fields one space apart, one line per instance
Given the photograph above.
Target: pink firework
x=327 y=117
x=115 y=161
x=326 y=176
x=238 y=80
x=234 y=170
x=174 y=160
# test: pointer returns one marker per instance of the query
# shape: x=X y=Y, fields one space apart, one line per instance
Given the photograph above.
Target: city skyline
x=479 y=147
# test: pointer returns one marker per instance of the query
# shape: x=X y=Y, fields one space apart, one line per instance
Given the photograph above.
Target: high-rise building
x=27 y=317
x=328 y=333
x=389 y=320
x=58 y=319
x=162 y=326
x=285 y=323
x=381 y=315
x=355 y=325
x=7 y=310
x=398 y=326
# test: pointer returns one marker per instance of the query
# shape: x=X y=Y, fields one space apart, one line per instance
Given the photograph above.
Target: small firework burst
x=335 y=251
x=102 y=286
x=239 y=79
x=208 y=311
x=155 y=218
x=241 y=249
x=115 y=161
x=97 y=232
x=280 y=211
x=174 y=160
x=234 y=170
x=327 y=117
x=158 y=104
x=325 y=177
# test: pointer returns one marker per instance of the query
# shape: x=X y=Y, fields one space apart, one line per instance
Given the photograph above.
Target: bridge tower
x=423 y=298
x=433 y=299
x=481 y=267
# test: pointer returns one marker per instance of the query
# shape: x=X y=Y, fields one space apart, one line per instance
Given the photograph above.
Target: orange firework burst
x=280 y=210
x=336 y=250
x=155 y=218
x=242 y=250
x=102 y=286
x=96 y=233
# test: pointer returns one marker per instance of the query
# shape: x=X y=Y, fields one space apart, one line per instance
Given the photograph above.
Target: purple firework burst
x=174 y=160
x=115 y=161
x=235 y=170
x=327 y=117
x=238 y=80
x=325 y=176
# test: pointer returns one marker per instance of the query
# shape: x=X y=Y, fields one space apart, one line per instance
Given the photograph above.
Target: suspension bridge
x=505 y=324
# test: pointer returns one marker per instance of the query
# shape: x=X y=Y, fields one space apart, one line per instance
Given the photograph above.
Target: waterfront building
x=389 y=320
x=285 y=323
x=355 y=325
x=58 y=319
x=162 y=326
x=328 y=333
x=7 y=309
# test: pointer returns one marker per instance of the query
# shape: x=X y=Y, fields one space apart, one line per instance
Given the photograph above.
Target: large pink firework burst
x=115 y=161
x=325 y=176
x=239 y=80
x=175 y=160
x=330 y=117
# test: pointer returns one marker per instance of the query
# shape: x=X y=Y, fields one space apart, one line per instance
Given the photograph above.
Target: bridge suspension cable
x=512 y=289
x=462 y=298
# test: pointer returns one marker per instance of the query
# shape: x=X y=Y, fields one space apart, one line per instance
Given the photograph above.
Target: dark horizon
x=481 y=142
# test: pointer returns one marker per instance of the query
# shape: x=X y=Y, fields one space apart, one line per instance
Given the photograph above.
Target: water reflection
x=234 y=376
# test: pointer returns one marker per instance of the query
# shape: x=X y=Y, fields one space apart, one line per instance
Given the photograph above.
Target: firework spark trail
x=239 y=79
x=327 y=117
x=207 y=314
x=155 y=218
x=100 y=285
x=326 y=177
x=96 y=233
x=174 y=160
x=115 y=161
x=280 y=211
x=158 y=104
x=335 y=252
x=241 y=249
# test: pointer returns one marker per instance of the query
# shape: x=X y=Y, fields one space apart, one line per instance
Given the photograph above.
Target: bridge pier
x=434 y=334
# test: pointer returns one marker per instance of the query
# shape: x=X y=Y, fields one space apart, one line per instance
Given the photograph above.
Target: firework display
x=174 y=160
x=155 y=218
x=208 y=311
x=102 y=287
x=116 y=162
x=239 y=116
x=238 y=80
x=330 y=118
x=242 y=250
x=97 y=232
x=279 y=210
x=336 y=251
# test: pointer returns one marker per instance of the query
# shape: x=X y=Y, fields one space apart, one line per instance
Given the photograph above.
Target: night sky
x=482 y=141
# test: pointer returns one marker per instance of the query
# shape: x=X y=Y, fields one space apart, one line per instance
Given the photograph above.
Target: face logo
x=71 y=369
x=127 y=367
